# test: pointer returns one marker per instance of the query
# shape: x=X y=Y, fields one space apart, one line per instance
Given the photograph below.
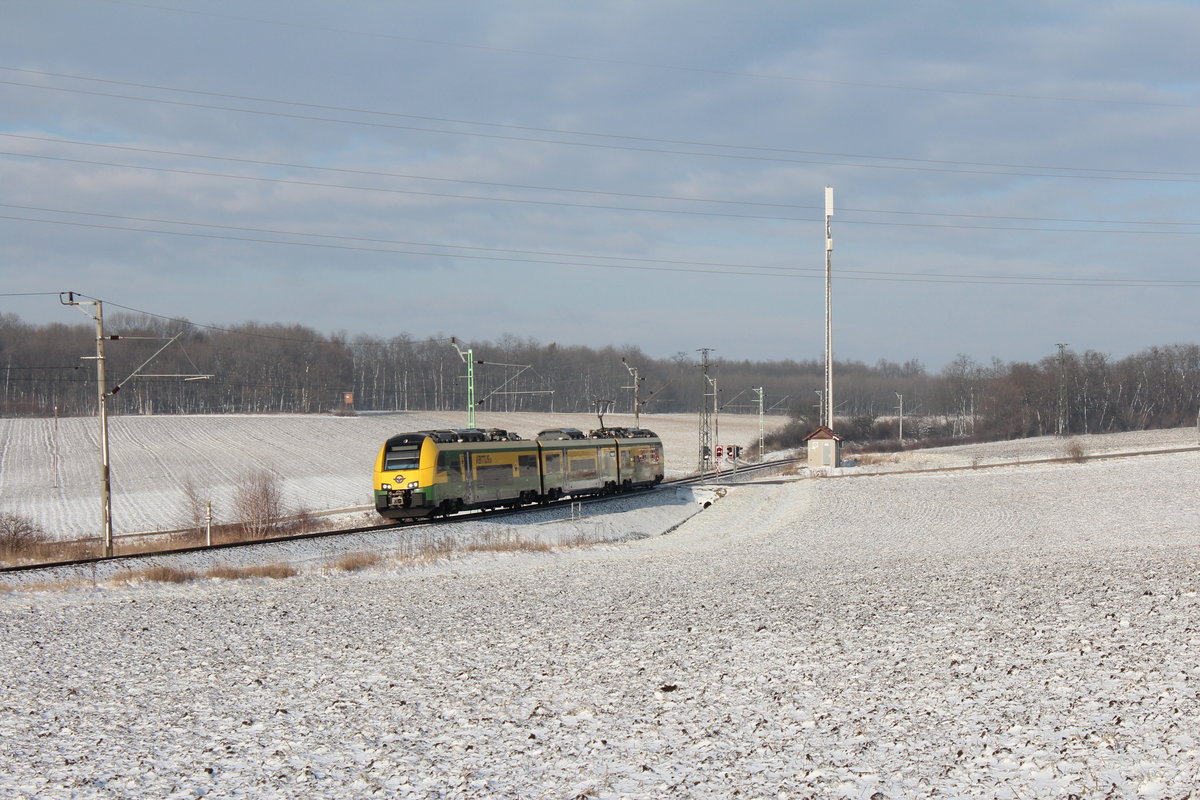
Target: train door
x=458 y=482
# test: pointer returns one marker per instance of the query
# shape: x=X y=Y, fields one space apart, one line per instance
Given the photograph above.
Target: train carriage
x=441 y=472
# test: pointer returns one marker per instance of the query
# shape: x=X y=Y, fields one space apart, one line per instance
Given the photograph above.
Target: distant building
x=824 y=448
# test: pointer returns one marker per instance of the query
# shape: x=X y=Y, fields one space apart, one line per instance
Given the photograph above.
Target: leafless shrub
x=353 y=562
x=1075 y=452
x=280 y=570
x=302 y=522
x=509 y=542
x=194 y=509
x=158 y=575
x=576 y=538
x=21 y=538
x=17 y=529
x=258 y=503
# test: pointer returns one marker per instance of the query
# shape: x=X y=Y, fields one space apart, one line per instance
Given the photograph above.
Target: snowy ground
x=1018 y=632
x=1043 y=447
x=49 y=470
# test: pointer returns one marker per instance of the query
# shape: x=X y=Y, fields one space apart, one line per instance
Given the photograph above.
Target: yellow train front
x=441 y=472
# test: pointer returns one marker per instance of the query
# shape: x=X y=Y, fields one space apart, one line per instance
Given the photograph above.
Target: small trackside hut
x=430 y=473
x=824 y=448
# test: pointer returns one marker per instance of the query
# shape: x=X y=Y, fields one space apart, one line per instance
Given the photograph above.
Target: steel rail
x=494 y=513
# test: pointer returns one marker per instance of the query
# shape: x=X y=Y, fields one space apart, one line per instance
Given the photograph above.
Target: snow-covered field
x=1044 y=447
x=49 y=470
x=1018 y=632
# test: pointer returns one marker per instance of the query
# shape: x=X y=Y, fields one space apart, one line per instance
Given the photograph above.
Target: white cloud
x=438 y=72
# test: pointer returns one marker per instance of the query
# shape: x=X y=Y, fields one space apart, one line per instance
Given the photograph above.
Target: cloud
x=454 y=144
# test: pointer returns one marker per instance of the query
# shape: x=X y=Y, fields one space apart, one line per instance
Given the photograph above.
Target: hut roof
x=822 y=432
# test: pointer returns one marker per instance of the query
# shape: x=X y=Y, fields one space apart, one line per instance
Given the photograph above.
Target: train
x=442 y=472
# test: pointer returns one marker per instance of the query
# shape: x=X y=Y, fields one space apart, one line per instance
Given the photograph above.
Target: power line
x=535 y=187
x=1117 y=175
x=442 y=245
x=535 y=129
x=780 y=272
x=380 y=174
x=386 y=190
x=219 y=329
x=566 y=204
x=652 y=65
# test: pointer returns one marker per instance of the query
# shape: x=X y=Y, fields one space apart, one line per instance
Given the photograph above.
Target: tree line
x=260 y=368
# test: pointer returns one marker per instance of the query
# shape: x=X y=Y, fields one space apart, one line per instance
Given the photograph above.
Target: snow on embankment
x=49 y=469
x=624 y=518
x=1017 y=632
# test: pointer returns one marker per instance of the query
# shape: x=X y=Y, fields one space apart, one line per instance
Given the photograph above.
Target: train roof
x=447 y=435
x=622 y=433
x=561 y=433
x=451 y=435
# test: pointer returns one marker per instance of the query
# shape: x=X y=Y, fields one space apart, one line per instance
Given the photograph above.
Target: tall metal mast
x=762 y=439
x=468 y=358
x=827 y=399
x=705 y=462
x=637 y=394
x=1062 y=390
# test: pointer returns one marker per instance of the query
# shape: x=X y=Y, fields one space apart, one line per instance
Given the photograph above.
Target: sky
x=1006 y=177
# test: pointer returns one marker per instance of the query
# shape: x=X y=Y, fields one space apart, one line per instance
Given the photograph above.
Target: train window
x=553 y=463
x=528 y=466
x=493 y=475
x=450 y=463
x=583 y=468
x=402 y=457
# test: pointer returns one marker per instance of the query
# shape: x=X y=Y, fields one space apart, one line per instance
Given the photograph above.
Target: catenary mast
x=827 y=411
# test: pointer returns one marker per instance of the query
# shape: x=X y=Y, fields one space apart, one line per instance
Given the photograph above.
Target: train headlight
x=385 y=487
x=413 y=484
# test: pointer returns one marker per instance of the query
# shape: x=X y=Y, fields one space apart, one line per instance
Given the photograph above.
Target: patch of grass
x=508 y=545
x=47 y=586
x=157 y=575
x=279 y=570
x=353 y=562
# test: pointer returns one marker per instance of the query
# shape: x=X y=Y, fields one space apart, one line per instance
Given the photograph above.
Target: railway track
x=722 y=477
x=726 y=477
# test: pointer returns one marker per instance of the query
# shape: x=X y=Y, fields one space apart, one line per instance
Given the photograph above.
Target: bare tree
x=193 y=509
x=258 y=503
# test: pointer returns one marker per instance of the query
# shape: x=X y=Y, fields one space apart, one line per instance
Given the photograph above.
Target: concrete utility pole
x=827 y=401
x=102 y=394
x=706 y=442
x=1062 y=390
x=900 y=397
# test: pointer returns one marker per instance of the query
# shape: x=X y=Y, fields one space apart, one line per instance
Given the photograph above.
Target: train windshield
x=402 y=457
